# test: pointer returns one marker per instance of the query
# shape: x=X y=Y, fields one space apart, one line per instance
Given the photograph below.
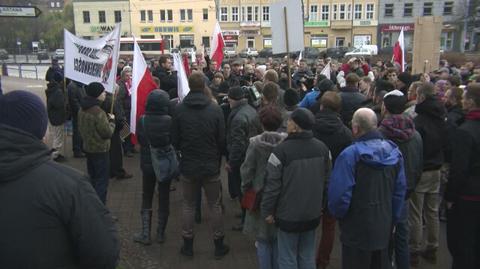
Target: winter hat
x=406 y=78
x=291 y=98
x=94 y=89
x=303 y=118
x=394 y=102
x=236 y=93
x=325 y=85
x=25 y=111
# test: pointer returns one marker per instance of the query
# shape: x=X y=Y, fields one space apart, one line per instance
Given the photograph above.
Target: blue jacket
x=373 y=151
x=310 y=99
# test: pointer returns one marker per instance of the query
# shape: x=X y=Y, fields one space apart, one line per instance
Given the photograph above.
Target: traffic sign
x=19 y=11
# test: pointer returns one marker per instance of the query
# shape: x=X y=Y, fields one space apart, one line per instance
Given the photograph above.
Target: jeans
x=148 y=186
x=354 y=258
x=267 y=254
x=425 y=197
x=212 y=188
x=463 y=234
x=326 y=241
x=76 y=137
x=296 y=250
x=98 y=170
x=402 y=254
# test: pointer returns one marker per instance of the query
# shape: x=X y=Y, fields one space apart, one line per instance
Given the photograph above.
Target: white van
x=365 y=50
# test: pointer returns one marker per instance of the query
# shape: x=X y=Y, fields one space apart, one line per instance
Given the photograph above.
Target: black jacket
x=431 y=124
x=50 y=215
x=76 y=93
x=168 y=80
x=330 y=130
x=198 y=132
x=352 y=100
x=297 y=172
x=455 y=117
x=464 y=178
x=57 y=114
x=154 y=127
x=242 y=124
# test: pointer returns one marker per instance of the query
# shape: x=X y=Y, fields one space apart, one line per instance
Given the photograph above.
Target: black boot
x=162 y=224
x=187 y=248
x=144 y=236
x=220 y=248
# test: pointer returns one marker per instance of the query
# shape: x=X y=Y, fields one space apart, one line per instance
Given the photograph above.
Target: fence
x=24 y=70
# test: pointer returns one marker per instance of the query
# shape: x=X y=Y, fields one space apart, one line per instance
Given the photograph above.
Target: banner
x=95 y=60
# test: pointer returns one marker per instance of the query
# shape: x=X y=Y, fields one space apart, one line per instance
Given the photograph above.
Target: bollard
x=4 y=70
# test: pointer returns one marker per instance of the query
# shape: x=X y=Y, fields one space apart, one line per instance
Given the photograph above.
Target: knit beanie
x=394 y=102
x=94 y=89
x=25 y=111
x=303 y=118
x=406 y=78
x=291 y=98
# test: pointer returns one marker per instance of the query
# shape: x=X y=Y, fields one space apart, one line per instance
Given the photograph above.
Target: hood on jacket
x=327 y=122
x=376 y=151
x=432 y=107
x=89 y=102
x=21 y=152
x=268 y=140
x=158 y=102
x=196 y=100
x=399 y=127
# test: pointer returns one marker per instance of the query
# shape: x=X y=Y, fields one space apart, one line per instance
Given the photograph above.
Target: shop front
x=389 y=33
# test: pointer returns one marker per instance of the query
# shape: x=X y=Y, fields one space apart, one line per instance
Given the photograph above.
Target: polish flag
x=182 y=81
x=186 y=65
x=399 y=51
x=216 y=52
x=327 y=70
x=142 y=85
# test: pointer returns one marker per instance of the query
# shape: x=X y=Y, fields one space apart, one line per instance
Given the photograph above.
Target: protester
x=96 y=128
x=125 y=100
x=57 y=115
x=198 y=132
x=463 y=192
x=400 y=129
x=366 y=194
x=302 y=72
x=55 y=68
x=310 y=98
x=430 y=123
x=75 y=92
x=297 y=170
x=351 y=98
x=44 y=202
x=168 y=78
x=253 y=174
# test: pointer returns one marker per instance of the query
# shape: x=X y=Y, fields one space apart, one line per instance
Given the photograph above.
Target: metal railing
x=22 y=71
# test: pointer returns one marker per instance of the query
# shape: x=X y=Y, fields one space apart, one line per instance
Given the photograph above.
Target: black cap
x=291 y=97
x=303 y=118
x=94 y=89
x=236 y=93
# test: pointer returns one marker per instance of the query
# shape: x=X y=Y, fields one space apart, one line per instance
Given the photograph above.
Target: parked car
x=42 y=55
x=363 y=51
x=3 y=54
x=249 y=52
x=230 y=52
x=265 y=53
x=311 y=53
x=59 y=54
x=335 y=53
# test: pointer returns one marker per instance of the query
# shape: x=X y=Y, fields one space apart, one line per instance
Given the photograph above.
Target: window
x=150 y=15
x=205 y=14
x=267 y=41
x=370 y=11
x=318 y=41
x=448 y=8
x=118 y=15
x=189 y=14
x=340 y=42
x=58 y=4
x=446 y=41
x=52 y=4
x=257 y=10
x=334 y=12
x=408 y=9
x=206 y=41
x=388 y=10
x=266 y=13
x=325 y=12
x=169 y=15
x=358 y=11
x=235 y=14
x=169 y=41
x=163 y=15
x=186 y=41
x=341 y=15
x=86 y=17
x=182 y=14
x=249 y=13
x=313 y=13
x=250 y=42
x=223 y=14
x=101 y=17
x=143 y=16
x=427 y=8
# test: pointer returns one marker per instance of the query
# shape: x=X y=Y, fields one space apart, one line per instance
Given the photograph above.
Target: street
x=124 y=199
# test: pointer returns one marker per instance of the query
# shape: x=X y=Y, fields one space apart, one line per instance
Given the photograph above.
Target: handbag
x=125 y=131
x=251 y=199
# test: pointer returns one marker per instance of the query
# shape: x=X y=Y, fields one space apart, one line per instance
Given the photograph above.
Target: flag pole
x=287 y=47
x=114 y=92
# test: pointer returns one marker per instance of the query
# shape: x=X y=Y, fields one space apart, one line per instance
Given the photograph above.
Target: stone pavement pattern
x=124 y=200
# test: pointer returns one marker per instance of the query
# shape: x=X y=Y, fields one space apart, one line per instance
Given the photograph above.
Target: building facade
x=94 y=19
x=395 y=14
x=328 y=23
x=182 y=23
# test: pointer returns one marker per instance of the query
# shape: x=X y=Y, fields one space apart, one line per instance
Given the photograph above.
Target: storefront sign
x=230 y=32
x=317 y=24
x=167 y=29
x=101 y=29
x=365 y=23
x=250 y=32
x=230 y=38
x=397 y=27
x=250 y=24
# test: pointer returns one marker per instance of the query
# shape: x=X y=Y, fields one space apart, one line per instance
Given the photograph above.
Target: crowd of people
x=386 y=154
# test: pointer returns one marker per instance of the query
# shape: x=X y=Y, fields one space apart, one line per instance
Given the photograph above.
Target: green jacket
x=94 y=126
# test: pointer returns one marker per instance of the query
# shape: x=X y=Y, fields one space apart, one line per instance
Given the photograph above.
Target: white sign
x=95 y=60
x=294 y=24
x=11 y=11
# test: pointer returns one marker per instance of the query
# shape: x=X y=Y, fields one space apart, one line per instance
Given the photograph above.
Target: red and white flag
x=182 y=81
x=399 y=51
x=142 y=85
x=216 y=52
x=327 y=70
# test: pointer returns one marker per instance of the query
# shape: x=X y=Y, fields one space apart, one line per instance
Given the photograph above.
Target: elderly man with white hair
x=366 y=193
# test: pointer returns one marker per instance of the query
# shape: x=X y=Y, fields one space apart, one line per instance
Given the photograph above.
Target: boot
x=220 y=248
x=187 y=248
x=144 y=236
x=162 y=224
x=430 y=255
